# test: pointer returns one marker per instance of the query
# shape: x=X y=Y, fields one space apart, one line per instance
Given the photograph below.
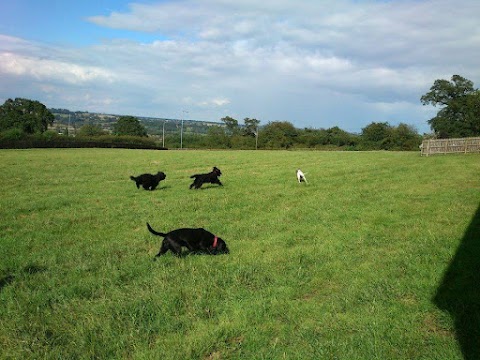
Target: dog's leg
x=136 y=181
x=177 y=251
x=174 y=246
x=163 y=249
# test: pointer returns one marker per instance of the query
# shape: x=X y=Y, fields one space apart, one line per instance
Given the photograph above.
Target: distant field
x=346 y=267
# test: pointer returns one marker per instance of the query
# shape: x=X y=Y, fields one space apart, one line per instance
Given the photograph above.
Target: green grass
x=343 y=268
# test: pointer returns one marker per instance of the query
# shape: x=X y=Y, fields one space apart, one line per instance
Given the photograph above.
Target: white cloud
x=42 y=69
x=220 y=102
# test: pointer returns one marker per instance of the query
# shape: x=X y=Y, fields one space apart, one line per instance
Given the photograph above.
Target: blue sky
x=315 y=63
x=63 y=22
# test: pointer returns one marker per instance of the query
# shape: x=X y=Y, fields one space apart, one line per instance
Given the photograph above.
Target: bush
x=15 y=140
x=47 y=136
x=12 y=135
x=89 y=130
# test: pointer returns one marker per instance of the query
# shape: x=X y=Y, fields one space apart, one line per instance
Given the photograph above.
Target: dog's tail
x=133 y=178
x=155 y=232
x=194 y=176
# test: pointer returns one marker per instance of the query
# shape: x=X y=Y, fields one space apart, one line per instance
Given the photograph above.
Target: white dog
x=301 y=176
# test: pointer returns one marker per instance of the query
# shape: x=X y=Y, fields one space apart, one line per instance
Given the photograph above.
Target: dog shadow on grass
x=459 y=291
x=207 y=187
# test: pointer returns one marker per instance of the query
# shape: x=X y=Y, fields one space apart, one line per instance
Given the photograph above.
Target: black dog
x=195 y=240
x=148 y=181
x=211 y=177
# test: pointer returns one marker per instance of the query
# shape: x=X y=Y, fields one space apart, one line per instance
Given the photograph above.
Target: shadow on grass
x=186 y=253
x=459 y=291
x=31 y=269
x=207 y=187
x=34 y=269
x=5 y=280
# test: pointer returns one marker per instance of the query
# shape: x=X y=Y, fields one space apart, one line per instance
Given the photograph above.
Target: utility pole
x=181 y=128
x=163 y=134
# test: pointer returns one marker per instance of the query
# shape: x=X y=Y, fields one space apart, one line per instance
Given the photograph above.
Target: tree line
x=459 y=116
x=274 y=135
x=284 y=135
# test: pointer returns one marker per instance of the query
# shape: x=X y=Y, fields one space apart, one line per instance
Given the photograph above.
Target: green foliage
x=338 y=137
x=327 y=138
x=376 y=132
x=217 y=138
x=50 y=139
x=382 y=136
x=345 y=267
x=129 y=125
x=231 y=135
x=405 y=137
x=91 y=130
x=444 y=92
x=250 y=127
x=461 y=118
x=22 y=116
x=377 y=136
x=278 y=134
x=27 y=115
x=231 y=125
x=12 y=134
x=48 y=135
x=126 y=141
x=460 y=115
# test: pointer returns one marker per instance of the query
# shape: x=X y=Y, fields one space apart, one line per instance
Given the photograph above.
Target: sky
x=314 y=63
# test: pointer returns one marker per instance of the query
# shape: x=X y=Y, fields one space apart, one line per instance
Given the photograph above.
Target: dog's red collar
x=215 y=240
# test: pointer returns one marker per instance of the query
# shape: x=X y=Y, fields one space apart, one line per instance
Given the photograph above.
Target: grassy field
x=346 y=267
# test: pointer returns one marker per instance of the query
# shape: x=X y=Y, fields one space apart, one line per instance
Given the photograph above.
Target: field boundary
x=76 y=143
x=450 y=146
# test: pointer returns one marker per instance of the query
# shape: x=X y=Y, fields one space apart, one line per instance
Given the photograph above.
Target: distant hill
x=71 y=121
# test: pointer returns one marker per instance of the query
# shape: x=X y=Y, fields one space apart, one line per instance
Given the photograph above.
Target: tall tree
x=28 y=115
x=129 y=125
x=231 y=125
x=251 y=126
x=443 y=92
x=460 y=112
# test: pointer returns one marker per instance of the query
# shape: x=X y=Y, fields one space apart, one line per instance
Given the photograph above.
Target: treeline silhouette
x=274 y=135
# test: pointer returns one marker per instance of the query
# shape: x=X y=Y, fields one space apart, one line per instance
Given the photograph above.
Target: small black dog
x=211 y=177
x=195 y=240
x=148 y=181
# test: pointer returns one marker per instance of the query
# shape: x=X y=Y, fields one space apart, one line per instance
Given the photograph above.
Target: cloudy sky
x=314 y=63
